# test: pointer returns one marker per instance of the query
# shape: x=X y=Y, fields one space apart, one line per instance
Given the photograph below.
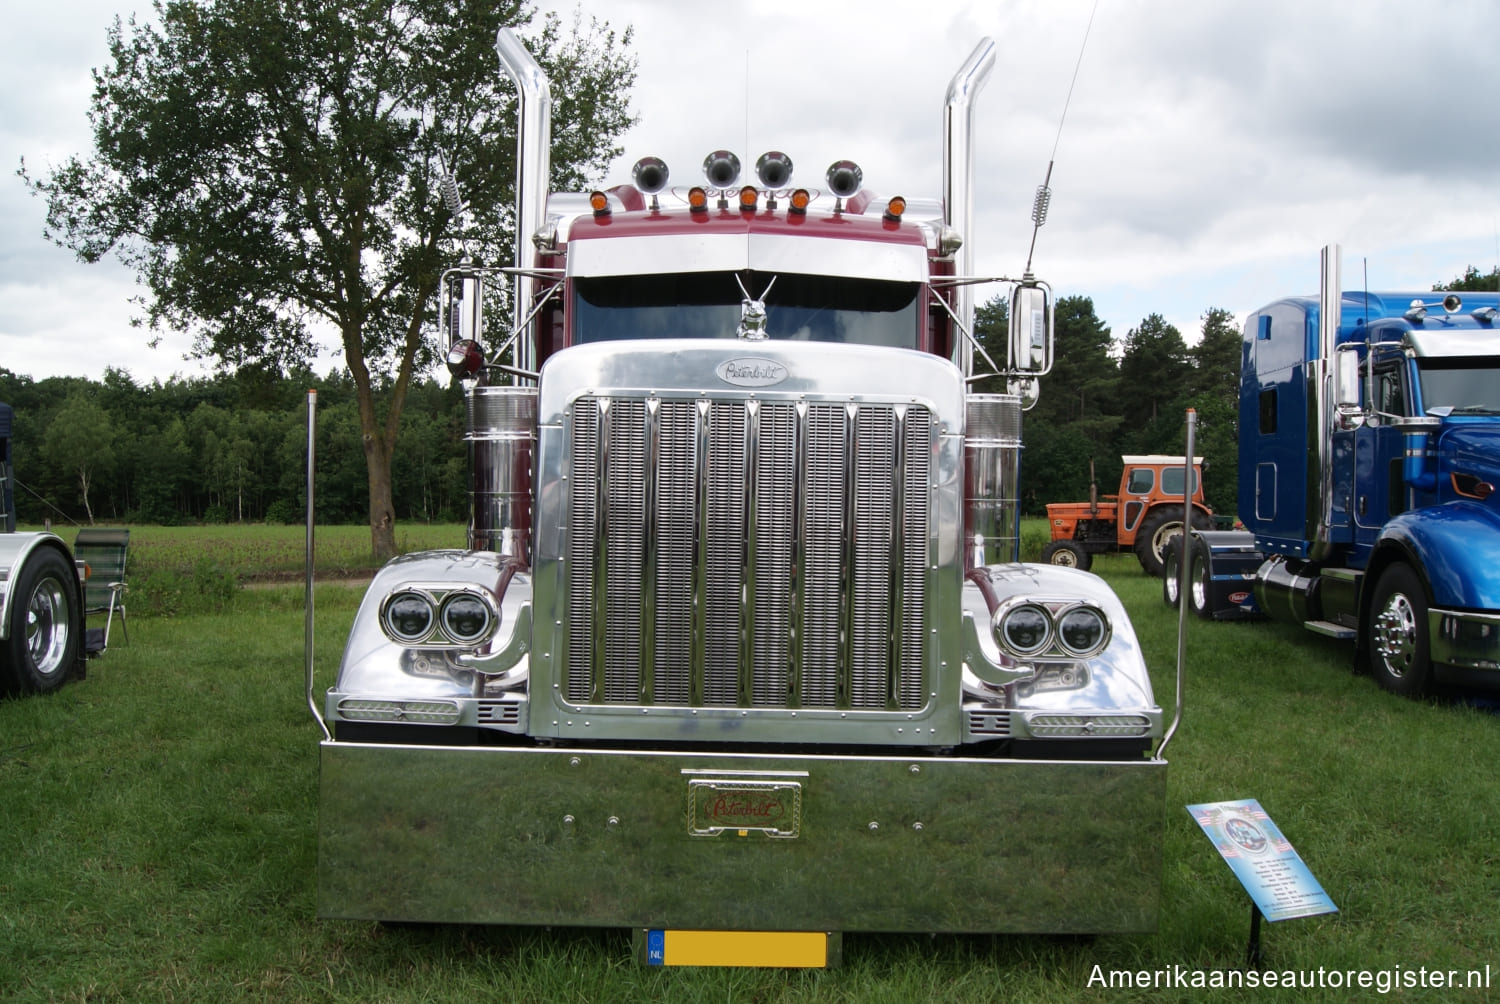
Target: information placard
x=1262 y=859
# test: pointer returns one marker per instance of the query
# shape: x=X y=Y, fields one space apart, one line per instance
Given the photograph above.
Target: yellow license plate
x=771 y=949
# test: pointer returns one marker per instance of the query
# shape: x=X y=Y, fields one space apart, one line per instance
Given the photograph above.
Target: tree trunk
x=382 y=510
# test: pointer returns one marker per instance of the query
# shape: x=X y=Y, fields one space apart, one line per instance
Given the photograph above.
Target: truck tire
x=1400 y=660
x=1199 y=600
x=46 y=627
x=1067 y=553
x=1161 y=525
x=1171 y=577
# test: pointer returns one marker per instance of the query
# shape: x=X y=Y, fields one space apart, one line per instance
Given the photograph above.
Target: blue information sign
x=1262 y=859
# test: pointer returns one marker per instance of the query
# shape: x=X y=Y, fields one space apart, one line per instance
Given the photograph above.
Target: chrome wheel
x=1396 y=636
x=1396 y=639
x=47 y=626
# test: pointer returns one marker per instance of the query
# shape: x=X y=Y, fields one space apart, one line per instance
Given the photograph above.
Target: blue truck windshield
x=1469 y=386
x=813 y=308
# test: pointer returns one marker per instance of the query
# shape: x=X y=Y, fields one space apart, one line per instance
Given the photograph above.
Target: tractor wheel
x=46 y=627
x=1160 y=525
x=1067 y=553
x=1399 y=657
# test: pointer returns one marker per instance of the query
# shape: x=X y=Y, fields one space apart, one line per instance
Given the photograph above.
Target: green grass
x=158 y=835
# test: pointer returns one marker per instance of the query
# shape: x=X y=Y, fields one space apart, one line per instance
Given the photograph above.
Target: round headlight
x=409 y=617
x=1026 y=630
x=466 y=617
x=1082 y=631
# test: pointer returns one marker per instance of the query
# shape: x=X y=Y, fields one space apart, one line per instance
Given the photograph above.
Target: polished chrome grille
x=747 y=553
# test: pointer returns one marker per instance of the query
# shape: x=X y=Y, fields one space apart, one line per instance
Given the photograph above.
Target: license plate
x=767 y=949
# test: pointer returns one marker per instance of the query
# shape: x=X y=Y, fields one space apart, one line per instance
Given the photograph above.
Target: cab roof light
x=749 y=196
x=698 y=199
x=599 y=203
x=894 y=209
x=799 y=201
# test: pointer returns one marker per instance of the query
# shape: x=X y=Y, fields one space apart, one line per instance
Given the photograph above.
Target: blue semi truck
x=1369 y=451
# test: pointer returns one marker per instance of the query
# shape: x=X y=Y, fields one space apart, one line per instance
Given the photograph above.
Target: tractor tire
x=1160 y=525
x=1068 y=553
x=46 y=627
x=1400 y=659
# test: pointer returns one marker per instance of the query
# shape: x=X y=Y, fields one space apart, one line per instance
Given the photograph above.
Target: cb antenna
x=448 y=187
x=1043 y=198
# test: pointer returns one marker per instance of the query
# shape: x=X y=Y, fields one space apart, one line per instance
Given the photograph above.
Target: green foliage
x=229 y=449
x=1473 y=279
x=272 y=172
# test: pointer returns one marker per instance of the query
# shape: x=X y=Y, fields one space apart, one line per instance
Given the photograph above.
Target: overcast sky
x=1210 y=149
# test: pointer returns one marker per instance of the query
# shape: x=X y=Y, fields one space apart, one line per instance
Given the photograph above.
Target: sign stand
x=1280 y=885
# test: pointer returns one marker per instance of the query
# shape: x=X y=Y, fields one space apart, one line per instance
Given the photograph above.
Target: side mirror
x=1346 y=401
x=462 y=300
x=1031 y=316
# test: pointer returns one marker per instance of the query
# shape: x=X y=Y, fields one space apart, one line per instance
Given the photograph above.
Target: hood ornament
x=753 y=313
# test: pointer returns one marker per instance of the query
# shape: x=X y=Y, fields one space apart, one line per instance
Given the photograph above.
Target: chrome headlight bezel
x=1089 y=647
x=442 y=603
x=1054 y=641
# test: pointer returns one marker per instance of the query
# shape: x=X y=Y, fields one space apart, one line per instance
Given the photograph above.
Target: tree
x=272 y=168
x=80 y=440
x=1216 y=358
x=1474 y=280
x=1153 y=372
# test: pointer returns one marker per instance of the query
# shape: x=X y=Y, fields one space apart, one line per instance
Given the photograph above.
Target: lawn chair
x=104 y=592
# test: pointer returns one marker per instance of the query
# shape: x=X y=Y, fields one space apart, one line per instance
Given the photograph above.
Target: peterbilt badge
x=751 y=372
x=720 y=805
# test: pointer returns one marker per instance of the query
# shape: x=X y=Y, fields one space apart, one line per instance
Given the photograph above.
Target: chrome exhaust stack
x=1321 y=400
x=533 y=174
x=958 y=177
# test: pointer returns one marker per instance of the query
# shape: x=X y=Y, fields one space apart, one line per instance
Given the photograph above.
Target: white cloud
x=1209 y=150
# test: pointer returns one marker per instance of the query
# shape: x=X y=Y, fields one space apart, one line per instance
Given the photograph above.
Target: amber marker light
x=799 y=200
x=749 y=195
x=894 y=209
x=697 y=199
x=599 y=203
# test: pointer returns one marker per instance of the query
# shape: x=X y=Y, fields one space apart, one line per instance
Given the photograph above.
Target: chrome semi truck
x=739 y=642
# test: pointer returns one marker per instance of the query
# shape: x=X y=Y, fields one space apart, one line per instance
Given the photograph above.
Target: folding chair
x=104 y=592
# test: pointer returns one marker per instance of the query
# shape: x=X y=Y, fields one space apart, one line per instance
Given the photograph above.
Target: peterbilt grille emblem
x=718 y=806
x=751 y=372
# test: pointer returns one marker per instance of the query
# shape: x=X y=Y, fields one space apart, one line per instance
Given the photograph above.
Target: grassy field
x=158 y=833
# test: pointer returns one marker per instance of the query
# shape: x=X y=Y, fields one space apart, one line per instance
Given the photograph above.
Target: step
x=1329 y=629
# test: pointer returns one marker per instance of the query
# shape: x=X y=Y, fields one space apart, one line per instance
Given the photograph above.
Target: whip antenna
x=1043 y=198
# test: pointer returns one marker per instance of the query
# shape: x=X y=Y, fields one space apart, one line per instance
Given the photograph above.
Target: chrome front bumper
x=1464 y=639
x=738 y=841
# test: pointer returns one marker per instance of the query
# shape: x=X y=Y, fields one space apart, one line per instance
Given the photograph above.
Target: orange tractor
x=1145 y=514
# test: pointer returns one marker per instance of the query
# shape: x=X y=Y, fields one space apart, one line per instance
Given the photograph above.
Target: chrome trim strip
x=798 y=254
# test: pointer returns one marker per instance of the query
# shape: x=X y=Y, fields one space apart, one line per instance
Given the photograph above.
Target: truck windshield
x=1467 y=385
x=813 y=308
